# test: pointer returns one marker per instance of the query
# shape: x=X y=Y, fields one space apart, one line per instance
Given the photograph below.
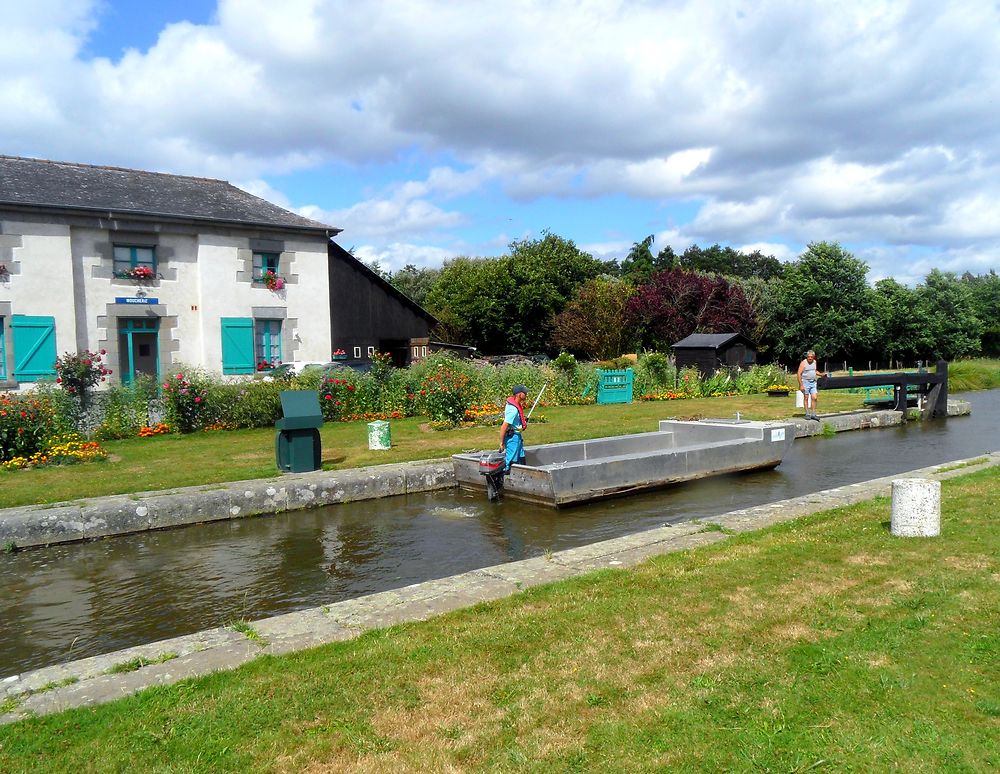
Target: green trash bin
x=379 y=435
x=297 y=444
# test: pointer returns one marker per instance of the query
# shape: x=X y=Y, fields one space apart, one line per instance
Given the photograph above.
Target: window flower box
x=137 y=273
x=339 y=354
x=272 y=281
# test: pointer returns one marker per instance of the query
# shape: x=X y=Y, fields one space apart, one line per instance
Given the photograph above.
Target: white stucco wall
x=45 y=278
x=204 y=279
x=305 y=299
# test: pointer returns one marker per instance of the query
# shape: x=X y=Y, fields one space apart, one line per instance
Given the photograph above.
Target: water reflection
x=67 y=602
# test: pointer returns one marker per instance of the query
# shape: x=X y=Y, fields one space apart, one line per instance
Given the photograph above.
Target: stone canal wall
x=92 y=680
x=27 y=526
x=122 y=514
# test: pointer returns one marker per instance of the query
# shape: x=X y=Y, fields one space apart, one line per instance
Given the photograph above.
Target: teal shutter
x=237 y=345
x=34 y=347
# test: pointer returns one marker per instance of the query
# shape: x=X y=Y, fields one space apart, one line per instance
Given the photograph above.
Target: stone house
x=161 y=269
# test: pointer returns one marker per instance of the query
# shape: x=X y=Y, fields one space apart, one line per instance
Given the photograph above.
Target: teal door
x=138 y=348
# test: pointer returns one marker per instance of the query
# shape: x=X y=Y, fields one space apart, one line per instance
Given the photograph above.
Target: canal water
x=70 y=601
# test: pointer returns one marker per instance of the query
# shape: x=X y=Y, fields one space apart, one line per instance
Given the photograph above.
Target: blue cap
x=519 y=388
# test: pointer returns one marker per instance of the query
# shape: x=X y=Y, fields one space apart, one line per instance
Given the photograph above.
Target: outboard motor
x=491 y=465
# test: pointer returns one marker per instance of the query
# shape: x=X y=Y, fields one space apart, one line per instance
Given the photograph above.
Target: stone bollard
x=916 y=507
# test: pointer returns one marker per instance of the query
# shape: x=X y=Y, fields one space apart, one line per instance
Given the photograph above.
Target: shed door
x=34 y=347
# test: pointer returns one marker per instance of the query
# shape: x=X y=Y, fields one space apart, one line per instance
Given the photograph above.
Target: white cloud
x=865 y=121
x=396 y=255
x=779 y=250
x=387 y=218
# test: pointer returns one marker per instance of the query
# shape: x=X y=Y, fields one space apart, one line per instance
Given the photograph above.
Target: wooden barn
x=369 y=314
x=711 y=351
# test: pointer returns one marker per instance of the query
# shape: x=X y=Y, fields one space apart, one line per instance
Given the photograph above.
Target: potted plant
x=778 y=390
x=138 y=273
x=272 y=281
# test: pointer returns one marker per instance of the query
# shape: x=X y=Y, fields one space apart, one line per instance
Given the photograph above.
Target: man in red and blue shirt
x=514 y=422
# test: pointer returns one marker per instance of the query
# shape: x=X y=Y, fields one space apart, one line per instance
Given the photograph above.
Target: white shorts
x=809 y=388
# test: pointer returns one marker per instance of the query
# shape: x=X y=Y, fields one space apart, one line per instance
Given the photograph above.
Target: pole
x=537 y=398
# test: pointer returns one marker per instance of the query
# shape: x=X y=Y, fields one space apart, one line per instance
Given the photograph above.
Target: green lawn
x=166 y=462
x=819 y=645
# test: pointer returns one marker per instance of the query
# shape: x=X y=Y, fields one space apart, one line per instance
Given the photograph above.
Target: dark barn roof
x=709 y=340
x=82 y=187
x=336 y=251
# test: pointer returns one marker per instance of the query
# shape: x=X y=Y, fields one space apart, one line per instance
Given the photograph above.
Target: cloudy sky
x=428 y=129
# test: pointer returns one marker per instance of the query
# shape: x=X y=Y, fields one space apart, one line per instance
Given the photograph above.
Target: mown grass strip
x=823 y=643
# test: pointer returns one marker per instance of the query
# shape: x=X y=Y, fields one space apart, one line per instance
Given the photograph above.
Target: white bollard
x=916 y=508
x=800 y=400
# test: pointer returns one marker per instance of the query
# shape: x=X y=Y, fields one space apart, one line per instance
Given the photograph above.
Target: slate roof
x=708 y=340
x=83 y=187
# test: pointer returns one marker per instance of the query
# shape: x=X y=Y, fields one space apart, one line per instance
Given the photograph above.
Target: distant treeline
x=547 y=295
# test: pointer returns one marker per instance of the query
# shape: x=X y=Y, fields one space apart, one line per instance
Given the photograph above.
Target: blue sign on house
x=122 y=300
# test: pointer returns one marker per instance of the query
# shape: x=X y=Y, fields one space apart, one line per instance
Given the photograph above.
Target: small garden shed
x=712 y=351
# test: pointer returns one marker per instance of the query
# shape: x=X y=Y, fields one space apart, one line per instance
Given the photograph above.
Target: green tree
x=949 y=314
x=825 y=304
x=763 y=296
x=508 y=304
x=471 y=300
x=592 y=324
x=730 y=262
x=900 y=333
x=415 y=282
x=375 y=266
x=640 y=263
x=986 y=300
x=546 y=273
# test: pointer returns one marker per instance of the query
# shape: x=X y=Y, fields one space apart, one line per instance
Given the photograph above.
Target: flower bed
x=668 y=395
x=60 y=450
x=483 y=414
x=157 y=429
x=371 y=416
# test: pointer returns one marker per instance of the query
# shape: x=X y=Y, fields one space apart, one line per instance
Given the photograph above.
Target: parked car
x=288 y=370
x=355 y=364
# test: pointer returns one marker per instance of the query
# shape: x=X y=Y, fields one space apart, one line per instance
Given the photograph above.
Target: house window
x=128 y=258
x=264 y=263
x=371 y=351
x=267 y=343
x=357 y=352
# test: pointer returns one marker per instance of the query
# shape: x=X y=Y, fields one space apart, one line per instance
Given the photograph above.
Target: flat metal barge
x=560 y=474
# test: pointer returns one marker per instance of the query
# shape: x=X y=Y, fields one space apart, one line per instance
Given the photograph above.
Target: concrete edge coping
x=87 y=682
